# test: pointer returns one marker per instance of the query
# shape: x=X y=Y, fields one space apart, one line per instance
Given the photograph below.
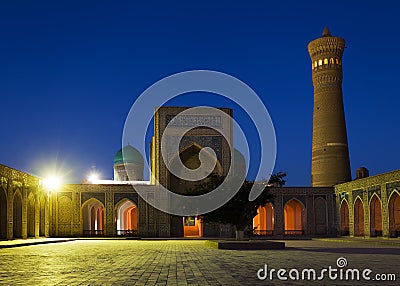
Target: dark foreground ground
x=190 y=262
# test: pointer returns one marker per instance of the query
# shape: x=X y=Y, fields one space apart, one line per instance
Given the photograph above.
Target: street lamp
x=51 y=184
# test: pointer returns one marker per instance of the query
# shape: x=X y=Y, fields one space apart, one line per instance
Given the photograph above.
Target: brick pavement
x=180 y=262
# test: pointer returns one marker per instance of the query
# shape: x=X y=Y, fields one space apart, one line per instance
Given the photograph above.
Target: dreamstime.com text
x=339 y=273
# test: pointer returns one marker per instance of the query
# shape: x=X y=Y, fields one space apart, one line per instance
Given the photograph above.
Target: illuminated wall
x=373 y=205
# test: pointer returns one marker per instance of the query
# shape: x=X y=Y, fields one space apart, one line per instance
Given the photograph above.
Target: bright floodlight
x=93 y=178
x=52 y=183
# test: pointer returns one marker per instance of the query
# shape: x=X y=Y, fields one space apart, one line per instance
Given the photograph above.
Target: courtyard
x=186 y=262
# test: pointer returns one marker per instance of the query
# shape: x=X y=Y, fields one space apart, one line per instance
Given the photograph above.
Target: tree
x=239 y=211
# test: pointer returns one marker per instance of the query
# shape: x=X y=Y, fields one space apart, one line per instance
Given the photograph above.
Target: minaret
x=330 y=154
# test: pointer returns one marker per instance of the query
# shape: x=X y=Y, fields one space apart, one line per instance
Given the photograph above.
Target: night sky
x=70 y=71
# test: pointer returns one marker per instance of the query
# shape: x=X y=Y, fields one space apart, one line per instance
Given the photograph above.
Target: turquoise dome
x=128 y=154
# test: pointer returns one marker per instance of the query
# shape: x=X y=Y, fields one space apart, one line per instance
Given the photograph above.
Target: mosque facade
x=370 y=206
x=333 y=204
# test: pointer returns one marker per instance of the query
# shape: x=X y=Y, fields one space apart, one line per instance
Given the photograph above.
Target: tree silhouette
x=238 y=211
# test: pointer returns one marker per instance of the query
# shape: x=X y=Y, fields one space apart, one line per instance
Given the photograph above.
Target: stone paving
x=184 y=262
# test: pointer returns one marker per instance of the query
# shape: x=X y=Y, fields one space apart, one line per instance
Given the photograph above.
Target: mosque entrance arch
x=344 y=219
x=189 y=156
x=17 y=215
x=375 y=210
x=190 y=159
x=127 y=218
x=3 y=214
x=358 y=218
x=42 y=216
x=31 y=215
x=394 y=214
x=93 y=218
x=294 y=217
x=263 y=222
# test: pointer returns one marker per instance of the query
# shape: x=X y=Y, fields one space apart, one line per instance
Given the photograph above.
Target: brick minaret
x=330 y=154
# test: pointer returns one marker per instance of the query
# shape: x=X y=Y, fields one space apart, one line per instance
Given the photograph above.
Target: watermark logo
x=157 y=95
x=341 y=262
x=338 y=273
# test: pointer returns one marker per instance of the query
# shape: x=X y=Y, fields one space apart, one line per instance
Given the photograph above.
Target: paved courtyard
x=184 y=262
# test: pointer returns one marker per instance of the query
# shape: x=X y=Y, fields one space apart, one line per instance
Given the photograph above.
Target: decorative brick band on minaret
x=330 y=154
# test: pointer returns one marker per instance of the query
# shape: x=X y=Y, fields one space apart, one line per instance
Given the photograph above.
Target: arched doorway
x=394 y=214
x=263 y=222
x=294 y=217
x=31 y=215
x=17 y=215
x=42 y=216
x=3 y=214
x=93 y=218
x=127 y=216
x=189 y=156
x=64 y=216
x=358 y=218
x=192 y=227
x=375 y=213
x=344 y=219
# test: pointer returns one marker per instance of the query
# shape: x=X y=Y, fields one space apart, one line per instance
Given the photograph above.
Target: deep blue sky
x=70 y=71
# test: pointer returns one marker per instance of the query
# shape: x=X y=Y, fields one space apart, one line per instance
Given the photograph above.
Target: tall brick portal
x=330 y=154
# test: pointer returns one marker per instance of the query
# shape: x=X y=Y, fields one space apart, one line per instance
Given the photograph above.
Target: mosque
x=333 y=205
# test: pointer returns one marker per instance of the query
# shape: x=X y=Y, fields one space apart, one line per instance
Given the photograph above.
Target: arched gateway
x=127 y=218
x=294 y=217
x=93 y=218
x=344 y=219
